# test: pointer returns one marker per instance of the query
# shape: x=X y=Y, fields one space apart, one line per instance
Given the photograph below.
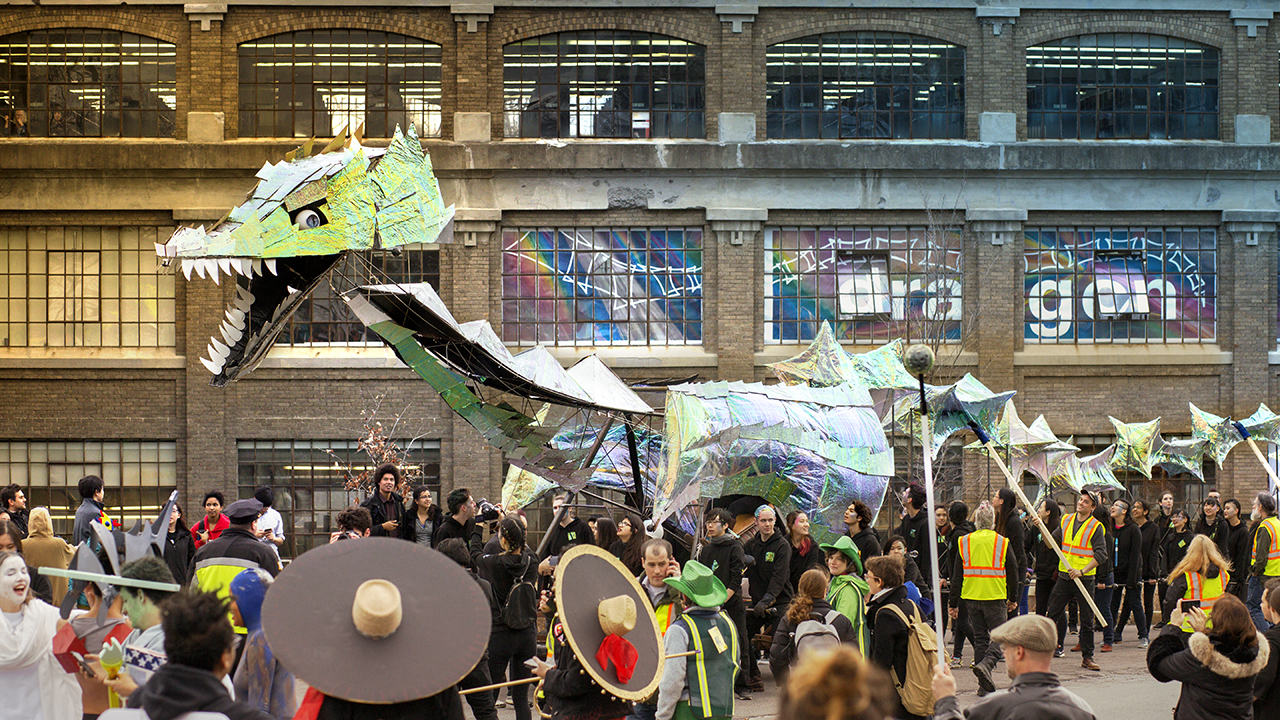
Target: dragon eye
x=308 y=220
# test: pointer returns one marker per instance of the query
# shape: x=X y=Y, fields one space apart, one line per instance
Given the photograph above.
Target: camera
x=486 y=511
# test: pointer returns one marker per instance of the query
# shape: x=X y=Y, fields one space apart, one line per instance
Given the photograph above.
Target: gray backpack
x=817 y=633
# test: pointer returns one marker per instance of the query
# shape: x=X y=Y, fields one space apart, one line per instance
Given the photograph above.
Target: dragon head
x=304 y=214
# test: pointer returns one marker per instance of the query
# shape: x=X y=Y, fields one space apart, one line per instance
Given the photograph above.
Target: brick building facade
x=1196 y=208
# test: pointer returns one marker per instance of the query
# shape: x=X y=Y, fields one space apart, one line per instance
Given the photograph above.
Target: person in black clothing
x=889 y=634
x=629 y=547
x=508 y=647
x=1164 y=523
x=199 y=646
x=914 y=528
x=1212 y=524
x=1237 y=547
x=723 y=553
x=385 y=505
x=1266 y=686
x=910 y=569
x=805 y=553
x=461 y=521
x=571 y=531
x=419 y=522
x=958 y=514
x=1009 y=524
x=857 y=517
x=1150 y=535
x=768 y=580
x=179 y=547
x=1174 y=549
x=14 y=502
x=1042 y=555
x=1129 y=567
x=482 y=703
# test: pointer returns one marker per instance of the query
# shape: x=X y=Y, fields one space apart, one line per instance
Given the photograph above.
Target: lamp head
x=918 y=359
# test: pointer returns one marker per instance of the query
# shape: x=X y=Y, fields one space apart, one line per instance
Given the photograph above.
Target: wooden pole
x=1275 y=483
x=1044 y=531
x=535 y=678
x=925 y=442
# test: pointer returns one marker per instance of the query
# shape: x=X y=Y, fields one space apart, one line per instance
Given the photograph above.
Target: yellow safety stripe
x=701 y=666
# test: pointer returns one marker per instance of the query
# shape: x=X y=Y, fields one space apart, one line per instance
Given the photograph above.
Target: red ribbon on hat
x=622 y=653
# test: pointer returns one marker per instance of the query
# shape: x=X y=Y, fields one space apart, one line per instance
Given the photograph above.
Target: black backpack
x=521 y=610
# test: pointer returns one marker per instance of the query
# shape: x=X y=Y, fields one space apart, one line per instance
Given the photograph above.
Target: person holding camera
x=385 y=505
x=353 y=524
x=461 y=519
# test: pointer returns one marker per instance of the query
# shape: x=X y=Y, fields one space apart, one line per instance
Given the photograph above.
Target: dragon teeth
x=230 y=333
x=187 y=267
x=257 y=266
x=291 y=289
x=214 y=368
x=225 y=265
x=271 y=265
x=236 y=316
x=222 y=350
x=199 y=267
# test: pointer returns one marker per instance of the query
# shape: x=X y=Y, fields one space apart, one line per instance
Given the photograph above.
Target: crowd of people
x=846 y=625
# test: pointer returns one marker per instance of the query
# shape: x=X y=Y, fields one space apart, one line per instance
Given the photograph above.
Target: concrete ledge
x=636 y=356
x=91 y=359
x=1121 y=354
x=947 y=355
x=371 y=357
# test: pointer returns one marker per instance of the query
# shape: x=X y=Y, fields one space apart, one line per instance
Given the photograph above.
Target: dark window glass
x=1121 y=285
x=1122 y=85
x=604 y=83
x=310 y=490
x=325 y=319
x=315 y=83
x=865 y=85
x=86 y=83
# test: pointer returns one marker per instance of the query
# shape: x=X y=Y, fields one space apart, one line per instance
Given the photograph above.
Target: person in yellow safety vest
x=1266 y=556
x=1083 y=541
x=985 y=578
x=1202 y=576
x=658 y=566
x=219 y=561
x=700 y=687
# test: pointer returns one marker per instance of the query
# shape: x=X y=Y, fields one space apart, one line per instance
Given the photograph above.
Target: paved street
x=1122 y=691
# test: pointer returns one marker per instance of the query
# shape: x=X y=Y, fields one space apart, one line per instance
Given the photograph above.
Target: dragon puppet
x=305 y=213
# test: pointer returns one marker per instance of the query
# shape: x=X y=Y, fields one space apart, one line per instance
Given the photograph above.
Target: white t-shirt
x=21 y=687
x=271 y=518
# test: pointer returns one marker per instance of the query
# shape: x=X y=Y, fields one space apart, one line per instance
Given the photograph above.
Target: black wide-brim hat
x=443 y=630
x=585 y=576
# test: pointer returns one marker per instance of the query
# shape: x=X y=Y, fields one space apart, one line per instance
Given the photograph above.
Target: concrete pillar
x=471 y=86
x=997 y=104
x=205 y=96
x=739 y=84
x=736 y=232
x=210 y=443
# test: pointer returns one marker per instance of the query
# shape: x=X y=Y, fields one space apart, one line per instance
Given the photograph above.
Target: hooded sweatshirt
x=175 y=690
x=44 y=549
x=726 y=559
x=847 y=594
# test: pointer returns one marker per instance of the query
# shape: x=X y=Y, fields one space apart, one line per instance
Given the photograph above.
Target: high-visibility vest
x=1272 y=524
x=711 y=672
x=1077 y=544
x=1204 y=591
x=982 y=553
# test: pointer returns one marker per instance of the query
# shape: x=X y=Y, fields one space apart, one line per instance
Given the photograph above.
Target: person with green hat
x=702 y=686
x=848 y=591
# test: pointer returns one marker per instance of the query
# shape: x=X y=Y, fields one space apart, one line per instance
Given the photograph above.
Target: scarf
x=32 y=640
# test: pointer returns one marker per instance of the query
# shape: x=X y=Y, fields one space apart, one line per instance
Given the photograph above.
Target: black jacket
x=1042 y=557
x=39 y=585
x=179 y=550
x=815 y=558
x=570 y=691
x=1150 y=550
x=1033 y=695
x=1016 y=531
x=944 y=553
x=564 y=537
x=1217 y=532
x=727 y=561
x=239 y=543
x=380 y=514
x=444 y=705
x=1174 y=549
x=768 y=577
x=915 y=530
x=782 y=651
x=1127 y=543
x=1265 y=688
x=450 y=528
x=19 y=520
x=1217 y=678
x=408 y=529
x=1238 y=554
x=502 y=571
x=888 y=633
x=175 y=690
x=868 y=544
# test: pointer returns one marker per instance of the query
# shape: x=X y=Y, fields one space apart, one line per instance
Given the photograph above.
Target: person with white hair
x=985 y=579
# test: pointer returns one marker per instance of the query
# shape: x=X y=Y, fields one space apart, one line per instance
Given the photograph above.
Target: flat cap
x=243 y=511
x=1033 y=632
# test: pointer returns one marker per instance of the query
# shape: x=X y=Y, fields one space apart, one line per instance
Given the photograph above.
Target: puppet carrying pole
x=1031 y=512
x=918 y=361
x=1253 y=445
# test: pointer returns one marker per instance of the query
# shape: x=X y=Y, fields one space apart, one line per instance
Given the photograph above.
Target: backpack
x=521 y=609
x=816 y=633
x=916 y=690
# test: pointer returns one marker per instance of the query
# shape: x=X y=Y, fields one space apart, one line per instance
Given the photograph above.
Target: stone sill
x=778 y=353
x=91 y=358
x=638 y=356
x=370 y=357
x=1120 y=354
x=380 y=357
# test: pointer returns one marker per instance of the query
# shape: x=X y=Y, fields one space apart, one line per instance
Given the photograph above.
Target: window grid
x=1122 y=85
x=138 y=476
x=125 y=302
x=809 y=275
x=315 y=82
x=325 y=319
x=309 y=490
x=602 y=286
x=1078 y=292
x=604 y=83
x=79 y=82
x=865 y=85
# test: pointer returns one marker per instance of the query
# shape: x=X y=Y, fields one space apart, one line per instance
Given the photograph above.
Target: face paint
x=135 y=605
x=14 y=581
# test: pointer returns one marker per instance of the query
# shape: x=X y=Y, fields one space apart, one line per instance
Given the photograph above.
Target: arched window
x=865 y=85
x=315 y=82
x=604 y=83
x=1122 y=85
x=78 y=82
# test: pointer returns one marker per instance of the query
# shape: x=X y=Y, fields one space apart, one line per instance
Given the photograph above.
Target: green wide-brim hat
x=845 y=545
x=699 y=584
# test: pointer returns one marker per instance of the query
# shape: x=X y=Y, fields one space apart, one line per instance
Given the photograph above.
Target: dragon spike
x=271 y=265
x=211 y=366
x=187 y=266
x=337 y=142
x=257 y=267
